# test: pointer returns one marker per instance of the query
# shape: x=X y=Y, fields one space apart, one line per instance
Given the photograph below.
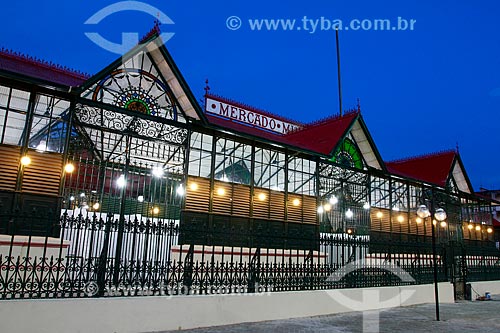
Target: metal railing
x=82 y=262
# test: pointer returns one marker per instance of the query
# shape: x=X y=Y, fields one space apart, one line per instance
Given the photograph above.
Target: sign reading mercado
x=248 y=117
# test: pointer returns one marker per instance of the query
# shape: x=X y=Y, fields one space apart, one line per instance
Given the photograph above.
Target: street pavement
x=464 y=316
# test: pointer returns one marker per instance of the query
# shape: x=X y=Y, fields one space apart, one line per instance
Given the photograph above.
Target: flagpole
x=338 y=70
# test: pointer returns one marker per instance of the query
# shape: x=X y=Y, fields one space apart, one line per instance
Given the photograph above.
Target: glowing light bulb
x=25 y=160
x=121 y=181
x=180 y=190
x=69 y=168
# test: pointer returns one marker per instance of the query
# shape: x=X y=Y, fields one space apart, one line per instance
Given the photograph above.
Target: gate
x=470 y=261
x=455 y=267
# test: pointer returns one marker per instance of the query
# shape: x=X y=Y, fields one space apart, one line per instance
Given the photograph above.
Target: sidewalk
x=459 y=317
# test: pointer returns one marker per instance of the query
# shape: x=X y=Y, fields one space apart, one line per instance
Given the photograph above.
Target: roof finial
x=157 y=23
x=359 y=106
x=157 y=20
x=207 y=87
x=457 y=150
x=155 y=31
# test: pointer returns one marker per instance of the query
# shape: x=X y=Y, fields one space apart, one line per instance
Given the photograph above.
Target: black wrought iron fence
x=82 y=262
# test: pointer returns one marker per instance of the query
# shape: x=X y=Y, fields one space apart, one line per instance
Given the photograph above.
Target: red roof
x=39 y=69
x=320 y=137
x=433 y=168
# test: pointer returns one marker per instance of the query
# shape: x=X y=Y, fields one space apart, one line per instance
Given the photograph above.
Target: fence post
x=310 y=256
x=253 y=271
x=103 y=258
x=187 y=279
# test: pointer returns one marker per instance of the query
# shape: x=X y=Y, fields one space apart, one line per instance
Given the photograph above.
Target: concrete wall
x=480 y=288
x=155 y=313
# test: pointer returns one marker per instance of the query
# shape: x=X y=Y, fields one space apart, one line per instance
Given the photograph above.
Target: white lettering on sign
x=248 y=117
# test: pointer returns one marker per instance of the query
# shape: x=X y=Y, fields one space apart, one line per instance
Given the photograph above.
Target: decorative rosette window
x=348 y=154
x=136 y=90
x=137 y=85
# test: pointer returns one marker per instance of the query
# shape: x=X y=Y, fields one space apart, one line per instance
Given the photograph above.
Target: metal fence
x=83 y=261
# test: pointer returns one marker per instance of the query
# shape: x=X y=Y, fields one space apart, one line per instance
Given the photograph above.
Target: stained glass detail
x=348 y=154
x=138 y=86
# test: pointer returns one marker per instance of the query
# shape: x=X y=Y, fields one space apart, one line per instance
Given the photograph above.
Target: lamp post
x=440 y=215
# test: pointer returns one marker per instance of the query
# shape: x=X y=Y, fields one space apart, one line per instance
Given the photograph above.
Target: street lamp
x=440 y=215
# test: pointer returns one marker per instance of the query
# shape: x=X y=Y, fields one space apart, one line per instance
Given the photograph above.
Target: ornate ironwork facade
x=125 y=188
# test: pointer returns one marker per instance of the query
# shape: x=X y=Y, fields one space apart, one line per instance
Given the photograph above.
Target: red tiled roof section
x=35 y=68
x=433 y=168
x=322 y=136
x=155 y=31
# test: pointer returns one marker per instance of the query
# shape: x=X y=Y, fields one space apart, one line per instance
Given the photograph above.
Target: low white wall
x=156 y=313
x=43 y=254
x=36 y=247
x=493 y=287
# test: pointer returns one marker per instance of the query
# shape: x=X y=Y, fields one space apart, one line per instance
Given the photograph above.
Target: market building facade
x=123 y=178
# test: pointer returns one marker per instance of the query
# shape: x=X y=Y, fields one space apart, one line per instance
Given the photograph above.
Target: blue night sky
x=421 y=91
